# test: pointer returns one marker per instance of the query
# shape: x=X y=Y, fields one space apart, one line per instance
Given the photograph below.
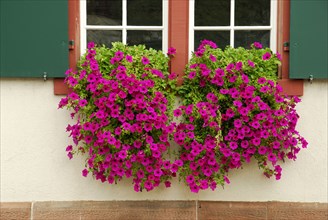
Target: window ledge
x=60 y=88
x=291 y=87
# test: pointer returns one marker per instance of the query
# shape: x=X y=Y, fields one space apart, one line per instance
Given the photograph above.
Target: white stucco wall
x=34 y=166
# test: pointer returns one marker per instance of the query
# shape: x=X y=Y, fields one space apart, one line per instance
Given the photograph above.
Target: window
x=233 y=22
x=130 y=21
x=181 y=26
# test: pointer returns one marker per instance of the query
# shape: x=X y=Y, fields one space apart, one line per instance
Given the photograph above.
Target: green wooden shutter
x=34 y=38
x=308 y=39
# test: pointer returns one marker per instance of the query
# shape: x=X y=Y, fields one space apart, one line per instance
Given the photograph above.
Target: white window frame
x=124 y=27
x=232 y=28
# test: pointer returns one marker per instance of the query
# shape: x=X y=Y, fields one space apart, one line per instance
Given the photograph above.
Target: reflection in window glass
x=101 y=37
x=100 y=12
x=212 y=12
x=252 y=12
x=221 y=38
x=144 y=12
x=246 y=38
x=152 y=39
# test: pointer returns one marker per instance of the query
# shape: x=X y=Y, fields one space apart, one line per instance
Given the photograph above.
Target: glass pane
x=252 y=12
x=221 y=38
x=246 y=38
x=104 y=37
x=152 y=39
x=145 y=12
x=212 y=12
x=100 y=12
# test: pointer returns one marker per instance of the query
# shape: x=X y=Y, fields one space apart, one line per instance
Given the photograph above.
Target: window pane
x=152 y=39
x=100 y=12
x=221 y=38
x=246 y=38
x=104 y=37
x=252 y=12
x=145 y=12
x=212 y=12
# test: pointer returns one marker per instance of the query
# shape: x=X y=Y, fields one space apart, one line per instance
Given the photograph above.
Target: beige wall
x=34 y=166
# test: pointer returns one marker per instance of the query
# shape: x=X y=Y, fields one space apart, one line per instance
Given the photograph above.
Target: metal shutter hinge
x=286 y=46
x=71 y=45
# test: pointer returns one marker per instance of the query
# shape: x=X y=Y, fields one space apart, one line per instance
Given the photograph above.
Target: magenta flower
x=272 y=157
x=172 y=76
x=94 y=66
x=194 y=188
x=177 y=113
x=85 y=172
x=192 y=75
x=279 y=56
x=122 y=154
x=158 y=172
x=83 y=102
x=129 y=58
x=213 y=58
x=266 y=56
x=230 y=67
x=261 y=80
x=237 y=123
x=239 y=66
x=69 y=148
x=171 y=51
x=190 y=179
x=262 y=150
x=91 y=45
x=140 y=174
x=167 y=184
x=145 y=60
x=226 y=179
x=258 y=45
x=250 y=63
x=233 y=145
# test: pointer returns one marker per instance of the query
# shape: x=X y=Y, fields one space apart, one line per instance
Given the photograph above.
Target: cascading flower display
x=233 y=111
x=122 y=98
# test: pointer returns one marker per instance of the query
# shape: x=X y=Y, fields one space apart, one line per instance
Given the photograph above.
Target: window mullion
x=124 y=21
x=165 y=25
x=252 y=28
x=191 y=26
x=83 y=24
x=232 y=23
x=273 y=30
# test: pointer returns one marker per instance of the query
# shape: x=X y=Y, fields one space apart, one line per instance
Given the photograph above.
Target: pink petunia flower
x=279 y=56
x=177 y=112
x=171 y=51
x=85 y=172
x=145 y=60
x=266 y=56
x=129 y=58
x=258 y=45
x=192 y=75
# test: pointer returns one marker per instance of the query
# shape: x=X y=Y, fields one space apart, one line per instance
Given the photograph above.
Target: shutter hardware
x=71 y=45
x=45 y=76
x=286 y=46
x=311 y=79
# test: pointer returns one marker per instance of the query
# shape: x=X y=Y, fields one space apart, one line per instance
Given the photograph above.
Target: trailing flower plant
x=122 y=99
x=233 y=111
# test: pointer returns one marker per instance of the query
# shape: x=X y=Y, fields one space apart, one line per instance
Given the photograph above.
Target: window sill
x=290 y=87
